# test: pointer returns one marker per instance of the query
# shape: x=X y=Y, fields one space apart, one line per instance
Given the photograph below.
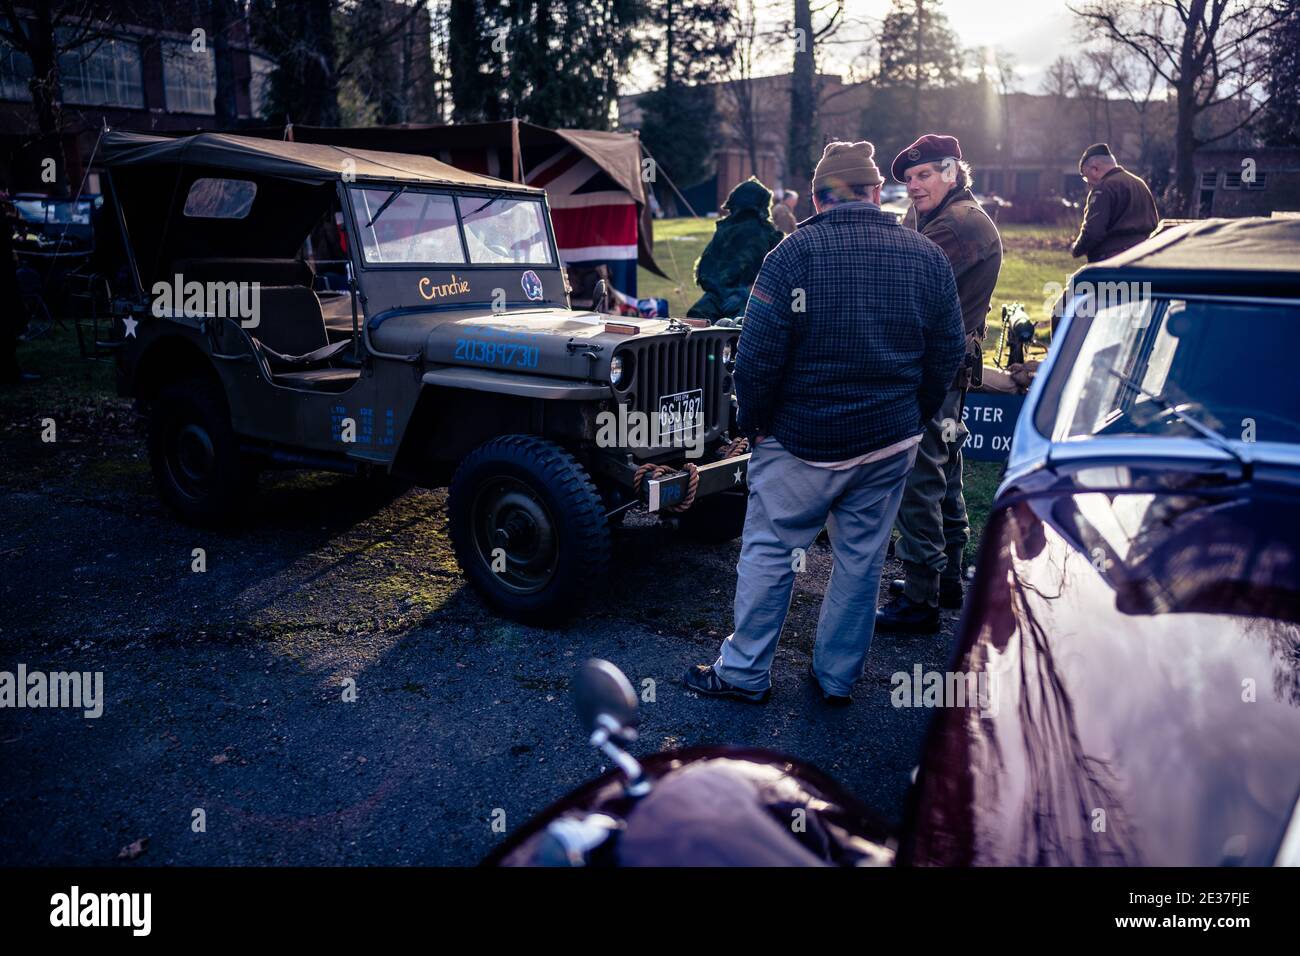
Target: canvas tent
x=592 y=179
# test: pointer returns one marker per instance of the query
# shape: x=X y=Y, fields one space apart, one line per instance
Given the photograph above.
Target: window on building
x=1209 y=180
x=259 y=83
x=103 y=72
x=15 y=71
x=189 y=78
x=1027 y=183
x=1238 y=180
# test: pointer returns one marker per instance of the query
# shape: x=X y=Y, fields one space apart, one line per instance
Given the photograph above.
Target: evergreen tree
x=919 y=52
x=1280 y=125
x=551 y=62
x=692 y=44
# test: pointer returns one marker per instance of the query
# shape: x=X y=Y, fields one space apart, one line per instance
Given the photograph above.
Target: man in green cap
x=731 y=260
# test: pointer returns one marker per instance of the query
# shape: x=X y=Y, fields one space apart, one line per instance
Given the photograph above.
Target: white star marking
x=738 y=477
x=130 y=326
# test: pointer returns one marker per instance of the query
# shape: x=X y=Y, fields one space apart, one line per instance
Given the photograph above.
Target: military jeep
x=289 y=305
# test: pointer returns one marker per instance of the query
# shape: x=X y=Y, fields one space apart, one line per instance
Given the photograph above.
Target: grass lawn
x=1032 y=257
x=66 y=380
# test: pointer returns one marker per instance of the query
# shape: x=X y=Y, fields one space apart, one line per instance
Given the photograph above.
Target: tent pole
x=516 y=160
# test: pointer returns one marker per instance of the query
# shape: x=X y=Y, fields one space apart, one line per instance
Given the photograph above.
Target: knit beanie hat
x=845 y=165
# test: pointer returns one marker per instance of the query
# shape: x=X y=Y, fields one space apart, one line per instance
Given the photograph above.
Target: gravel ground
x=224 y=689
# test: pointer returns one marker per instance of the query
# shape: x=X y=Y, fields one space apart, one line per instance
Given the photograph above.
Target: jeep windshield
x=1145 y=368
x=409 y=226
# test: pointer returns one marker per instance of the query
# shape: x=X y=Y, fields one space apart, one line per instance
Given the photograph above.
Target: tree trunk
x=918 y=66
x=1186 y=199
x=46 y=87
x=224 y=18
x=802 y=109
x=320 y=65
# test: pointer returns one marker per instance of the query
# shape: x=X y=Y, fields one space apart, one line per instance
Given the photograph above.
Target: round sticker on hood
x=532 y=285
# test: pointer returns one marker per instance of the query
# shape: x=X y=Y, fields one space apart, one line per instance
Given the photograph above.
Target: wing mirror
x=606 y=706
x=600 y=301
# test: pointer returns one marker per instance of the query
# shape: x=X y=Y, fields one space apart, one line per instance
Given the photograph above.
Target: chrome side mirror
x=606 y=706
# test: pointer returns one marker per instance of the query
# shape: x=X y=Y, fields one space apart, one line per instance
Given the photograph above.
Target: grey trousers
x=932 y=524
x=789 y=503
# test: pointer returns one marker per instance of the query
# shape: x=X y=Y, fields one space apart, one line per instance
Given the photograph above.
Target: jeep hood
x=553 y=342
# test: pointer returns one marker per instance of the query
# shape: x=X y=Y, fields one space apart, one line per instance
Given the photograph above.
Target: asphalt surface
x=224 y=690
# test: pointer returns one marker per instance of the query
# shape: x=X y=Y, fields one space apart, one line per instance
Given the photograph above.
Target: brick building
x=1248 y=182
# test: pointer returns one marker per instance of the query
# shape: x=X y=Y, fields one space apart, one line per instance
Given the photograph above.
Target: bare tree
x=1138 y=82
x=739 y=88
x=45 y=31
x=804 y=93
x=1210 y=52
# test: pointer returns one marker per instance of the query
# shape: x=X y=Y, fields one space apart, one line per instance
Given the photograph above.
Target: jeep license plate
x=680 y=413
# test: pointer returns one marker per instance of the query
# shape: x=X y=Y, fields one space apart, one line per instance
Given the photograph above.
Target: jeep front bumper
x=725 y=474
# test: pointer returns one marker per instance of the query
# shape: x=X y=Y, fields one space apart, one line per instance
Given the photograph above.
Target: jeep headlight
x=620 y=370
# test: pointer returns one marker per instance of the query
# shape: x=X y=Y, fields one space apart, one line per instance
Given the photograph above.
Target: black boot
x=950 y=592
x=905 y=616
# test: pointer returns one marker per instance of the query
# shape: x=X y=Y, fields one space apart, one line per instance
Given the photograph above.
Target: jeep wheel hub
x=515 y=535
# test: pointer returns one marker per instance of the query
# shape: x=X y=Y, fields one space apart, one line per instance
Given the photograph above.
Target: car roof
x=302 y=162
x=1250 y=256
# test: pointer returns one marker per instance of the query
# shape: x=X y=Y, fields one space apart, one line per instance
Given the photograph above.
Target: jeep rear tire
x=528 y=527
x=716 y=519
x=200 y=473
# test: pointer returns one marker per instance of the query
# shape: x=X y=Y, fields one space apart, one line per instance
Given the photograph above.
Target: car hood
x=1139 y=653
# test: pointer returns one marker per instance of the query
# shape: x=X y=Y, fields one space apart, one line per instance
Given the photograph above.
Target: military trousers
x=932 y=524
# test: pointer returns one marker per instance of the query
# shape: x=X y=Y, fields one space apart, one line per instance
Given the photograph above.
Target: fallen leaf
x=133 y=850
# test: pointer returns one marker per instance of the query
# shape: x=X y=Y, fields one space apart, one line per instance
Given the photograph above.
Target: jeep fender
x=461 y=408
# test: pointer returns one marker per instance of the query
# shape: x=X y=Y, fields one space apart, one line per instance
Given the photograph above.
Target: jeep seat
x=290 y=320
x=291 y=337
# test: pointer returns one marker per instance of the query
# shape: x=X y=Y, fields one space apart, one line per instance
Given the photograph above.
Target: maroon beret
x=930 y=148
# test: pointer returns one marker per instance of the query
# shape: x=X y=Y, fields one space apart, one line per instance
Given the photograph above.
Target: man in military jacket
x=932 y=523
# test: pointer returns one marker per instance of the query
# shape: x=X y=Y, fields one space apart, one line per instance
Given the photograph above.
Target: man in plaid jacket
x=852 y=335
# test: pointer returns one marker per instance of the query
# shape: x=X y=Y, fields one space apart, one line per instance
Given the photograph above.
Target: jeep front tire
x=528 y=527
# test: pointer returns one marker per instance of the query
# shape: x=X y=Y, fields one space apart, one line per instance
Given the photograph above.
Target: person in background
x=851 y=338
x=932 y=523
x=783 y=212
x=731 y=260
x=1120 y=211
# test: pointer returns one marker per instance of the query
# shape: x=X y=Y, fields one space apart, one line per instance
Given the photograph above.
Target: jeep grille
x=673 y=363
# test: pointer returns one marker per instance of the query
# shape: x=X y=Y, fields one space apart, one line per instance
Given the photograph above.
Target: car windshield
x=1229 y=365
x=500 y=230
x=407 y=226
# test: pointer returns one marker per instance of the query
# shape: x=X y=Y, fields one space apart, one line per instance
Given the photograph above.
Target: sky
x=1034 y=32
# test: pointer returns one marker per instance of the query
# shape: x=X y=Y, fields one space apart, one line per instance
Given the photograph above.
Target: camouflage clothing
x=734 y=255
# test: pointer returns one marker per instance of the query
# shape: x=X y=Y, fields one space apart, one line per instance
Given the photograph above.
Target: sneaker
x=905 y=616
x=950 y=592
x=834 y=700
x=701 y=679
